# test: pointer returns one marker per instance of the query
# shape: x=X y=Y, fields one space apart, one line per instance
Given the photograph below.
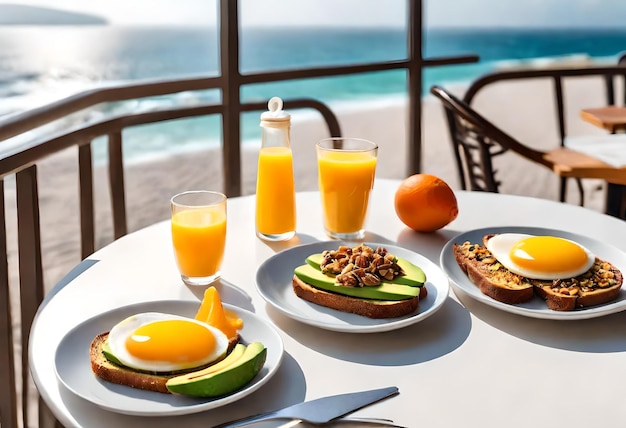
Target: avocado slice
x=228 y=378
x=231 y=358
x=108 y=354
x=384 y=291
x=414 y=275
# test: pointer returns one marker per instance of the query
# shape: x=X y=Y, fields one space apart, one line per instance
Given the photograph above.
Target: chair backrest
x=476 y=141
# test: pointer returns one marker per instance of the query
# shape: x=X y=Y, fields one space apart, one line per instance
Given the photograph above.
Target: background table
x=611 y=118
x=468 y=365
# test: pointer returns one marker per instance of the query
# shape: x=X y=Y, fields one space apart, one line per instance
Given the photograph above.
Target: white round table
x=469 y=364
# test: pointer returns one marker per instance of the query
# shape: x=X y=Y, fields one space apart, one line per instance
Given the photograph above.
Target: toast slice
x=493 y=279
x=600 y=284
x=365 y=307
x=147 y=381
x=106 y=370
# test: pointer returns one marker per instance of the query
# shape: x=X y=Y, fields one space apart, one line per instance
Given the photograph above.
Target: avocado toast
x=361 y=280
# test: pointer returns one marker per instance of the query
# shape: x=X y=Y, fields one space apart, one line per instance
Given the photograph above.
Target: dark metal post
x=231 y=97
x=415 y=87
x=29 y=264
x=8 y=407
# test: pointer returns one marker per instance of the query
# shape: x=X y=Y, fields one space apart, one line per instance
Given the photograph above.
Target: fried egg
x=159 y=342
x=540 y=257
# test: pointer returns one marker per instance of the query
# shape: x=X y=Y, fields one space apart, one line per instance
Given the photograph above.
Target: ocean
x=42 y=64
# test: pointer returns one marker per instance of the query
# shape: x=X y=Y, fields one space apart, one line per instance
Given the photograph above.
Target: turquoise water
x=42 y=64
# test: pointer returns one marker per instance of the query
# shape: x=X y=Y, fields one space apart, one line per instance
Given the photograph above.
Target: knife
x=320 y=410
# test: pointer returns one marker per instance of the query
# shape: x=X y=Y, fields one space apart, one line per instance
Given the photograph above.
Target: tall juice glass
x=275 y=189
x=275 y=193
x=346 y=167
x=199 y=235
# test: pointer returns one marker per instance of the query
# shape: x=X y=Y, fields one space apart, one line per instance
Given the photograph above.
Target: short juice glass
x=199 y=235
x=346 y=168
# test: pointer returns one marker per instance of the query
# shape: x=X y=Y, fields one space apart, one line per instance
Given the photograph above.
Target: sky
x=467 y=13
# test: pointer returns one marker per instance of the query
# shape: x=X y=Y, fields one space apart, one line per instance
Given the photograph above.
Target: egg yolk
x=171 y=341
x=548 y=254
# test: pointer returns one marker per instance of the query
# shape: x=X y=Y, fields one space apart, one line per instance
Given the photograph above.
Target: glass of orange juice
x=199 y=235
x=346 y=170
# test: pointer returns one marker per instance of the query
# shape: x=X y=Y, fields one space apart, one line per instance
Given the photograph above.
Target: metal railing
x=231 y=80
x=23 y=162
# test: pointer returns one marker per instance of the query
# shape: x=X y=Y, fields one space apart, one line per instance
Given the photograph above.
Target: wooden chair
x=476 y=141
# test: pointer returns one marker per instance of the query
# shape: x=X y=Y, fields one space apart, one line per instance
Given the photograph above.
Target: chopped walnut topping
x=360 y=266
x=599 y=275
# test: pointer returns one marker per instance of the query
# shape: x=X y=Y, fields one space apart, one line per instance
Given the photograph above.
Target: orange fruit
x=425 y=203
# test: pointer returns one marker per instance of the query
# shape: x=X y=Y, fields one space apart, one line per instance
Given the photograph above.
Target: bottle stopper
x=275 y=104
x=275 y=111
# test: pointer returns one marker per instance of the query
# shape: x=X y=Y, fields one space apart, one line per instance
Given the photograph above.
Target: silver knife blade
x=320 y=410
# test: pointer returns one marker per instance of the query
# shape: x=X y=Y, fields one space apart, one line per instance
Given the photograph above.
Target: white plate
x=73 y=367
x=536 y=308
x=273 y=281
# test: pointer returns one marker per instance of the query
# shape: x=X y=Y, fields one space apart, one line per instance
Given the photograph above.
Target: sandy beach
x=150 y=184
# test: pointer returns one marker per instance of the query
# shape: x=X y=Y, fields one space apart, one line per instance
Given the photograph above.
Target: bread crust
x=501 y=285
x=604 y=279
x=110 y=372
x=365 y=307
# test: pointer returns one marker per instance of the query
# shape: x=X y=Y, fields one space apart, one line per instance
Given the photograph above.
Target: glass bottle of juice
x=275 y=188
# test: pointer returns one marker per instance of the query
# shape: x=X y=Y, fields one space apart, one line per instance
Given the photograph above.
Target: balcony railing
x=22 y=163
